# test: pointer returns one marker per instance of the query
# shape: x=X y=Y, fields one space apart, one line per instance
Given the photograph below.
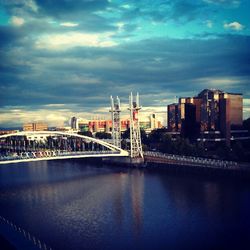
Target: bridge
x=29 y=146
x=54 y=145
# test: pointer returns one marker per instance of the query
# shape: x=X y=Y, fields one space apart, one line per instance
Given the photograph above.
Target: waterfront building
x=210 y=111
x=173 y=117
x=5 y=132
x=35 y=126
x=148 y=123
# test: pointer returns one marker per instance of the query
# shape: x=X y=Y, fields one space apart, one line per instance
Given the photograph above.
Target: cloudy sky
x=62 y=58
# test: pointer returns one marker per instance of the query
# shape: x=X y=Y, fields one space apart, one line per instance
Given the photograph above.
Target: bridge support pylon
x=135 y=133
x=116 y=121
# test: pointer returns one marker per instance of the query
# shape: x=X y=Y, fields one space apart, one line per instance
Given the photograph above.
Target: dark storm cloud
x=9 y=36
x=55 y=8
x=163 y=67
x=46 y=16
x=62 y=8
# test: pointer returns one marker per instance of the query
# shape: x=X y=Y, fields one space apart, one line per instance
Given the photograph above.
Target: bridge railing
x=54 y=153
x=192 y=160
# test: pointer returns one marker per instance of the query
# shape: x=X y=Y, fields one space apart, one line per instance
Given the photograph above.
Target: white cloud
x=75 y=39
x=120 y=26
x=55 y=105
x=22 y=116
x=126 y=6
x=32 y=5
x=17 y=21
x=234 y=26
x=219 y=82
x=69 y=24
x=235 y=3
x=209 y=23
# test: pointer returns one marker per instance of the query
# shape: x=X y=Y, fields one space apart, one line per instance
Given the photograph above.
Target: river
x=72 y=204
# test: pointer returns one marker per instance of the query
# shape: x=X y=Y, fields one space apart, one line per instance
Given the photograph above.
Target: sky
x=65 y=58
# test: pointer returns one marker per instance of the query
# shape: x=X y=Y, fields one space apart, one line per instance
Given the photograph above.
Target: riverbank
x=196 y=164
x=185 y=164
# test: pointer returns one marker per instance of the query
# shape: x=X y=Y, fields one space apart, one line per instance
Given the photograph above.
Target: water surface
x=71 y=204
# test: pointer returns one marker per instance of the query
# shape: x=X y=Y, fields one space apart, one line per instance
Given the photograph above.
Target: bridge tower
x=116 y=121
x=135 y=133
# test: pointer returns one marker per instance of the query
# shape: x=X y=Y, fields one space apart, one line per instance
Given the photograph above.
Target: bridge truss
x=51 y=145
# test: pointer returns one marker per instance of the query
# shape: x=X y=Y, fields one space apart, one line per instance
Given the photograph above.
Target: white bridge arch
x=52 y=145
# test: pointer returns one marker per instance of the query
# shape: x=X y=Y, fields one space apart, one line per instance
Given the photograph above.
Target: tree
x=103 y=135
x=246 y=124
x=86 y=133
x=156 y=135
x=144 y=137
x=126 y=134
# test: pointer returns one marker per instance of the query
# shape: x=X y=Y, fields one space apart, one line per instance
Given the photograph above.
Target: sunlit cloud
x=209 y=24
x=69 y=24
x=120 y=26
x=17 y=21
x=221 y=81
x=126 y=6
x=74 y=39
x=55 y=105
x=234 y=26
x=234 y=3
x=31 y=5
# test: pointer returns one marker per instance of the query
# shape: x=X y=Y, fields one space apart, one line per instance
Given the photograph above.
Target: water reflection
x=119 y=198
x=70 y=204
x=137 y=196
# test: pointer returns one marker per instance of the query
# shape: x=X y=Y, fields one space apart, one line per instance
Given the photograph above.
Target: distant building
x=150 y=123
x=211 y=110
x=173 y=117
x=101 y=125
x=37 y=126
x=5 y=132
x=74 y=123
x=83 y=125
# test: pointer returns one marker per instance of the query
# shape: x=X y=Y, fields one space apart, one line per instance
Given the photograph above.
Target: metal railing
x=27 y=235
x=53 y=153
x=193 y=160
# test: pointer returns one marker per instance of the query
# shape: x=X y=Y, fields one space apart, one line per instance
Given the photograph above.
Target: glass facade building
x=214 y=110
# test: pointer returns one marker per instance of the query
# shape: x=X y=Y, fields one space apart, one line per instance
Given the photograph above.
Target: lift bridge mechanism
x=135 y=133
x=116 y=121
x=52 y=145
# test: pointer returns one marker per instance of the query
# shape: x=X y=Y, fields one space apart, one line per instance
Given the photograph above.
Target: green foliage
x=156 y=136
x=246 y=124
x=144 y=137
x=163 y=142
x=86 y=133
x=126 y=134
x=103 y=135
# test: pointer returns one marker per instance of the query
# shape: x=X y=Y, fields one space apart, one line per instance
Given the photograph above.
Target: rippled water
x=74 y=205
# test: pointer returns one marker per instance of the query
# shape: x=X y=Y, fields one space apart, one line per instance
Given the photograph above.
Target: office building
x=211 y=110
x=101 y=125
x=74 y=123
x=173 y=117
x=39 y=126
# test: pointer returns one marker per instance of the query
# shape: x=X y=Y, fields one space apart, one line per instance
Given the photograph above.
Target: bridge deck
x=66 y=155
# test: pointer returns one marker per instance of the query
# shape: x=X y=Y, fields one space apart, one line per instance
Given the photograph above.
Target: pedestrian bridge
x=29 y=146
